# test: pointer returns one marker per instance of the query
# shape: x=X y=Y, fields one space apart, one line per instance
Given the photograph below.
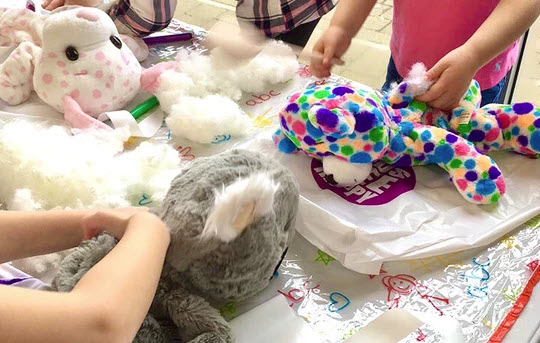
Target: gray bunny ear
x=237 y=205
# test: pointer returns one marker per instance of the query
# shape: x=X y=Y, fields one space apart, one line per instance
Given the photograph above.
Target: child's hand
x=53 y=4
x=453 y=75
x=113 y=221
x=333 y=44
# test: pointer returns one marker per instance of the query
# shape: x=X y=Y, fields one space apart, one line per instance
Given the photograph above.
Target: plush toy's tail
x=238 y=205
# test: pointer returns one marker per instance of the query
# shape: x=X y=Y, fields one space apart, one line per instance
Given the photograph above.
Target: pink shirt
x=426 y=30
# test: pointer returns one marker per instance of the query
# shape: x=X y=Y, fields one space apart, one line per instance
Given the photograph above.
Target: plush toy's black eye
x=116 y=42
x=72 y=54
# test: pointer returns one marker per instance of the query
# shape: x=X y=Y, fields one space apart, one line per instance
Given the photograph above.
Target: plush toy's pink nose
x=88 y=15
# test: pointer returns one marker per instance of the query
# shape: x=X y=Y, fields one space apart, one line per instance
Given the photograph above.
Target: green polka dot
x=455 y=163
x=295 y=141
x=474 y=90
x=321 y=94
x=532 y=128
x=442 y=142
x=376 y=134
x=387 y=160
x=347 y=150
x=485 y=175
x=413 y=135
x=468 y=98
x=302 y=99
x=495 y=198
x=386 y=140
x=464 y=128
x=417 y=105
x=507 y=136
x=416 y=162
x=304 y=115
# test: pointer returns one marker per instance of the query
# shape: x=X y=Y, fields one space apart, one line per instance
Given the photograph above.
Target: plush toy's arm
x=197 y=320
x=475 y=175
x=283 y=143
x=16 y=74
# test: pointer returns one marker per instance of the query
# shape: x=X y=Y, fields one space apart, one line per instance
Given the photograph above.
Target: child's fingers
x=54 y=4
x=435 y=92
x=436 y=72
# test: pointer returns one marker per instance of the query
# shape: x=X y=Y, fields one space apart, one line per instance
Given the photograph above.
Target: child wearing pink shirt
x=457 y=40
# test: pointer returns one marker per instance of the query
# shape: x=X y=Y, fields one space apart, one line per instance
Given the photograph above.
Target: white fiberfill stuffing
x=46 y=167
x=201 y=98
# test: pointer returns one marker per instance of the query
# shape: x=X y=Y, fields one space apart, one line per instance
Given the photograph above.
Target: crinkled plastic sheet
x=476 y=287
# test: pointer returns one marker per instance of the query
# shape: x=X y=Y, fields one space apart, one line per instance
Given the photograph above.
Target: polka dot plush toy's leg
x=497 y=127
x=475 y=175
x=16 y=74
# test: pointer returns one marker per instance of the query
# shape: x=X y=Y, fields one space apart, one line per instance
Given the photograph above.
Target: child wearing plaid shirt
x=135 y=17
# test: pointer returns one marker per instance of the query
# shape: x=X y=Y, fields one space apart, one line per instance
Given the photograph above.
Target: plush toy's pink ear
x=150 y=77
x=331 y=122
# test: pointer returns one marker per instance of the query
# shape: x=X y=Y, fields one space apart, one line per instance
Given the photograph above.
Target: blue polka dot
x=313 y=131
x=285 y=145
x=425 y=136
x=444 y=153
x=378 y=147
x=535 y=141
x=352 y=135
x=474 y=123
x=485 y=187
x=487 y=127
x=305 y=106
x=365 y=137
x=311 y=91
x=360 y=157
x=470 y=164
x=344 y=128
x=515 y=131
x=353 y=108
x=334 y=147
x=406 y=128
x=397 y=145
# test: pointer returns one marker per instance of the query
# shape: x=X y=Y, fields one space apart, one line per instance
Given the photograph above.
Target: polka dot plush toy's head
x=349 y=128
x=83 y=56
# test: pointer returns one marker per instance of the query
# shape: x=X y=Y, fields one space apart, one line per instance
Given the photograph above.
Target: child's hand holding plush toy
x=75 y=60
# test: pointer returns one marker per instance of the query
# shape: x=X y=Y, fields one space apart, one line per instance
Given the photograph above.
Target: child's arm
x=108 y=304
x=454 y=72
x=26 y=234
x=348 y=18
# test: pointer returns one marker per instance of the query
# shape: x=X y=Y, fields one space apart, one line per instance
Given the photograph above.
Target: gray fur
x=197 y=271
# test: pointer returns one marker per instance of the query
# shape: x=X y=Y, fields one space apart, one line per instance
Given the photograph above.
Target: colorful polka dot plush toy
x=74 y=59
x=350 y=128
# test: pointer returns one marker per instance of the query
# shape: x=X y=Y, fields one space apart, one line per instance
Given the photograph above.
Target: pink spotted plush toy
x=74 y=59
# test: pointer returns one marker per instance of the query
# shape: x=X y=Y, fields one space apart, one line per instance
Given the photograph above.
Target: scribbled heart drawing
x=145 y=200
x=338 y=302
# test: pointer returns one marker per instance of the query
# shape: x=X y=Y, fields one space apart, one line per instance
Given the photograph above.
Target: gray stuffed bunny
x=231 y=218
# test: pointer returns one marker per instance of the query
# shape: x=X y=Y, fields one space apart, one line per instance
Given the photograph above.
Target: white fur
x=202 y=119
x=259 y=189
x=345 y=173
x=220 y=74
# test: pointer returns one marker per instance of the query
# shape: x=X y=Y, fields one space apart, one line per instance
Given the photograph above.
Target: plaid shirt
x=275 y=17
x=142 y=17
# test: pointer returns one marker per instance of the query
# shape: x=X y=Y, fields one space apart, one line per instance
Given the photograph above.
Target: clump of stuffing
x=219 y=80
x=417 y=82
x=47 y=168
